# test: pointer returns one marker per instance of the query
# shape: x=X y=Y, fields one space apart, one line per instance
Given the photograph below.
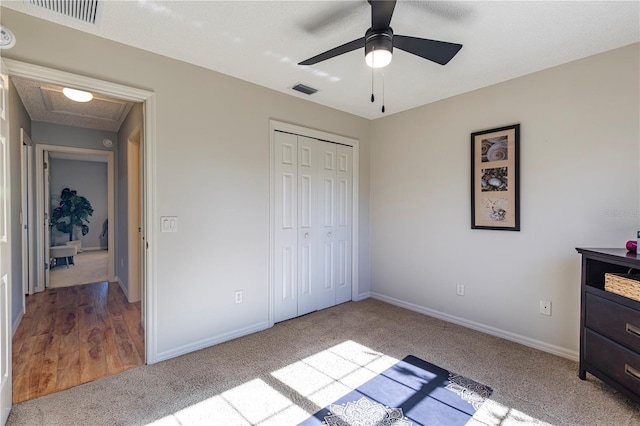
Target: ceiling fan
x=379 y=41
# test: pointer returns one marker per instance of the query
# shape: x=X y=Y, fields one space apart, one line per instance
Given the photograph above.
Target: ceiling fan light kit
x=379 y=41
x=378 y=48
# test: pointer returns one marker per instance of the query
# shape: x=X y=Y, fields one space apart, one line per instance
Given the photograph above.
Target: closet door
x=344 y=225
x=327 y=174
x=307 y=224
x=285 y=226
x=313 y=190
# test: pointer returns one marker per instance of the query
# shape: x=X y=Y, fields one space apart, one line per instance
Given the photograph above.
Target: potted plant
x=74 y=210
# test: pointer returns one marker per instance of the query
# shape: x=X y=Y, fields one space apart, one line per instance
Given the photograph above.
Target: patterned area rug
x=412 y=392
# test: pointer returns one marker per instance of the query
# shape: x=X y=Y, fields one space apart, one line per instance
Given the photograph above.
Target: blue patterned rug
x=413 y=392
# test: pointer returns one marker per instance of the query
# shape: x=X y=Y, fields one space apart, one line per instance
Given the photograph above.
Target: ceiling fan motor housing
x=378 y=40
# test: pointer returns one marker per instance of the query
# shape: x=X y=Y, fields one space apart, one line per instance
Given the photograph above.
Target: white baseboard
x=210 y=341
x=16 y=324
x=362 y=296
x=121 y=284
x=523 y=340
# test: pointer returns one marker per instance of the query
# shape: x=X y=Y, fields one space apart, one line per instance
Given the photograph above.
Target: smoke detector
x=7 y=39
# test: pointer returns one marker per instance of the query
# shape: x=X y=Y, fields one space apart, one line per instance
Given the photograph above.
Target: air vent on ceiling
x=83 y=10
x=304 y=89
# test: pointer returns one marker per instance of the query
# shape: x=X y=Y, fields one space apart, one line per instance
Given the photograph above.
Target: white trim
x=48 y=75
x=274 y=126
x=363 y=296
x=39 y=213
x=26 y=214
x=17 y=324
x=111 y=165
x=211 y=341
x=121 y=284
x=507 y=335
x=134 y=213
x=150 y=209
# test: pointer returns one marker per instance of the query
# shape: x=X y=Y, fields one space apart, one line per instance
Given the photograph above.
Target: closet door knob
x=306 y=235
x=329 y=234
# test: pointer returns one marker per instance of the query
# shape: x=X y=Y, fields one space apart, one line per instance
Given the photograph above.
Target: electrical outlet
x=460 y=289
x=545 y=307
x=239 y=296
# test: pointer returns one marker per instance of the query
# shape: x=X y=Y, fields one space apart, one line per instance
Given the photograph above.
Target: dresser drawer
x=617 y=362
x=615 y=321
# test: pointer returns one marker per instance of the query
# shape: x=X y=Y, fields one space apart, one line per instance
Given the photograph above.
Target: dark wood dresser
x=609 y=323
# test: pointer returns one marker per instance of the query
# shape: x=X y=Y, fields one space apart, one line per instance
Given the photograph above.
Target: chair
x=62 y=252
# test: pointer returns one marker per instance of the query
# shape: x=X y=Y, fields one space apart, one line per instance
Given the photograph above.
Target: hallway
x=74 y=335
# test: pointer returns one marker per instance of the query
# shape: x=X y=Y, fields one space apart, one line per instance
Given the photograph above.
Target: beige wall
x=134 y=120
x=212 y=165
x=18 y=118
x=580 y=134
x=579 y=187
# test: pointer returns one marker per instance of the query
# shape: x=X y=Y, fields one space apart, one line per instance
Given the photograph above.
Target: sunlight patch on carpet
x=321 y=378
x=324 y=377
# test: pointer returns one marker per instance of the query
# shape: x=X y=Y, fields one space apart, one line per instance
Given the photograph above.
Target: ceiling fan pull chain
x=372 y=97
x=383 y=93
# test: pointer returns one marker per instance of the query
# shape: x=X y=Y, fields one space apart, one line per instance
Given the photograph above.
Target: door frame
x=6 y=254
x=41 y=196
x=148 y=156
x=27 y=214
x=274 y=126
x=134 y=243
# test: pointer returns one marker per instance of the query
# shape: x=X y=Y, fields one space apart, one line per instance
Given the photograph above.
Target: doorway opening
x=106 y=310
x=90 y=174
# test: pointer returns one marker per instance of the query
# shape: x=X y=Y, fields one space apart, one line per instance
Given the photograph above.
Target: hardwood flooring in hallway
x=74 y=335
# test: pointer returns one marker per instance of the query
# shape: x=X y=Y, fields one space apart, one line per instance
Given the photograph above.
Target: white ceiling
x=45 y=102
x=262 y=42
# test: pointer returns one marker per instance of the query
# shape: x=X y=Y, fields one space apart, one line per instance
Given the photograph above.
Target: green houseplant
x=74 y=210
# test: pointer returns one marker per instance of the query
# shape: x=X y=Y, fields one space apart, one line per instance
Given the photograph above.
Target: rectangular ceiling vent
x=304 y=89
x=83 y=10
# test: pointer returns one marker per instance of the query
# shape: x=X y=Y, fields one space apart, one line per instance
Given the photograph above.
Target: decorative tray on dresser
x=609 y=322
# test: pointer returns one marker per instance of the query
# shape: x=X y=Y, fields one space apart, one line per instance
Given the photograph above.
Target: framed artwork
x=495 y=175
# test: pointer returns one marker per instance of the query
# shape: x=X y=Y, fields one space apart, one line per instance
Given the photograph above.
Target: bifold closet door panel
x=307 y=224
x=285 y=279
x=344 y=223
x=327 y=153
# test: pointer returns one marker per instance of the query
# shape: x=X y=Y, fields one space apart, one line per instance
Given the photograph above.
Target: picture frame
x=495 y=179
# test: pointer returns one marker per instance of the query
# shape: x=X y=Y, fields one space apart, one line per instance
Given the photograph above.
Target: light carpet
x=283 y=375
x=89 y=267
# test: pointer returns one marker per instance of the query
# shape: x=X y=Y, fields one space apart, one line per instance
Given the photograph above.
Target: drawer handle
x=632 y=371
x=633 y=330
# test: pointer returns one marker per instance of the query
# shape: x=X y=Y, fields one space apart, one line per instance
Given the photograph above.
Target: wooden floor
x=74 y=335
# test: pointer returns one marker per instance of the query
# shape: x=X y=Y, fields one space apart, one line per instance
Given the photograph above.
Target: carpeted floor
x=284 y=374
x=89 y=267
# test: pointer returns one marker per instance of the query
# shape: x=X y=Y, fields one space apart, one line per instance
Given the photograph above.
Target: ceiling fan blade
x=347 y=47
x=381 y=13
x=334 y=15
x=440 y=52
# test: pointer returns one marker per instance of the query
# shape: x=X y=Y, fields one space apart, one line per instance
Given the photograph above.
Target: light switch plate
x=168 y=223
